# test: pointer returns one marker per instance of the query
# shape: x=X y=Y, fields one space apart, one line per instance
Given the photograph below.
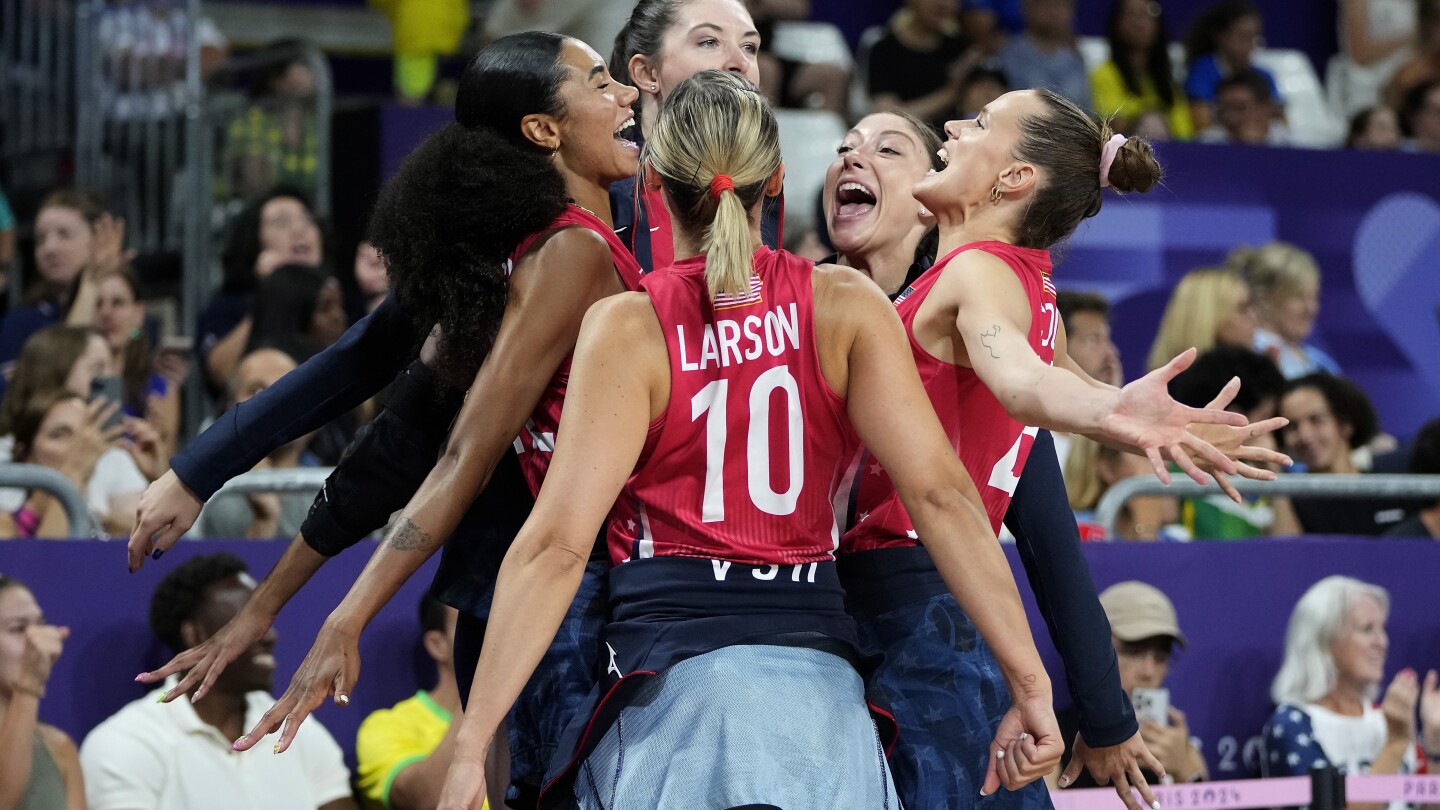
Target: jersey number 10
x=710 y=403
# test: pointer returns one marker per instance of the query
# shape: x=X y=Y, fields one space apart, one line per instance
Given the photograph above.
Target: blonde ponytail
x=715 y=147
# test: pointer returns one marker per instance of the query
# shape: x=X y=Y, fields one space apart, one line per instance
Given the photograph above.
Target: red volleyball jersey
x=746 y=463
x=536 y=442
x=991 y=444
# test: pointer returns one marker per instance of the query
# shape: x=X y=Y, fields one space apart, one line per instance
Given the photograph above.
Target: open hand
x=1398 y=706
x=203 y=664
x=43 y=645
x=1146 y=417
x=1118 y=765
x=331 y=666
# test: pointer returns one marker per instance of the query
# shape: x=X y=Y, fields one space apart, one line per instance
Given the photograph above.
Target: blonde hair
x=1275 y=269
x=716 y=123
x=1200 y=304
x=1084 y=485
x=1308 y=672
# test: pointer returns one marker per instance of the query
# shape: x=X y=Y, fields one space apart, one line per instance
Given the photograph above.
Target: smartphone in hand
x=113 y=389
x=1152 y=705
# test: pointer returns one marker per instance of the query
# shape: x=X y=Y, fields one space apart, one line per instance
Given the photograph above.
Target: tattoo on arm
x=406 y=536
x=993 y=333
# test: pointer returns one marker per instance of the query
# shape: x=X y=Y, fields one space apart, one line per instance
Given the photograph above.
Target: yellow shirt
x=1112 y=97
x=391 y=740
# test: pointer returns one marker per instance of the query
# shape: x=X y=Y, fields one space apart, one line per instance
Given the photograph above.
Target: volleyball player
x=1010 y=192
x=718 y=407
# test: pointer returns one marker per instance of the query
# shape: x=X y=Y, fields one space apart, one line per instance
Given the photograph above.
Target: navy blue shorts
x=948 y=695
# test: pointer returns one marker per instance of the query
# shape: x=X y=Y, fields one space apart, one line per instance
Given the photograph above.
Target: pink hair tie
x=1107 y=157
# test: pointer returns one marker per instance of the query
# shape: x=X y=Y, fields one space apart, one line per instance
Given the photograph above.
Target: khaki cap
x=1138 y=611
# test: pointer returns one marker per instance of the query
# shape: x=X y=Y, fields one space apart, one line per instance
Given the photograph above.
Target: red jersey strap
x=576 y=217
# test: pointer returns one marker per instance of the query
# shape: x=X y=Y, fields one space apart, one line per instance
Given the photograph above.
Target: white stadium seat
x=808 y=139
x=815 y=42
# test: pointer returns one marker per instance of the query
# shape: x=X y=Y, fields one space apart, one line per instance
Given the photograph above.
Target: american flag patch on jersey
x=729 y=301
x=1047 y=284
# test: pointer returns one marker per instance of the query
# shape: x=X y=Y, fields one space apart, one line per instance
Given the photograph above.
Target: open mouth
x=853 y=199
x=623 y=136
x=944 y=155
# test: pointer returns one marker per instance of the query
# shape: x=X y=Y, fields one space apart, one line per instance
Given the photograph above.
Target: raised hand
x=144 y=446
x=167 y=510
x=1118 y=765
x=331 y=666
x=1027 y=746
x=1398 y=706
x=1430 y=713
x=1251 y=443
x=110 y=253
x=1147 y=418
x=203 y=664
x=43 y=645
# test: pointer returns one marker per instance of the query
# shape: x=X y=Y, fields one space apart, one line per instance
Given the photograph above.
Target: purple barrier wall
x=1233 y=599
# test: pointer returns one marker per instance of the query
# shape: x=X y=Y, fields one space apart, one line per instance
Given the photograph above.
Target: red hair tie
x=719 y=184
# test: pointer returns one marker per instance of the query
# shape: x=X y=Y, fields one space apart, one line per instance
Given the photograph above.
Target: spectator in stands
x=180 y=755
x=790 y=83
x=278 y=228
x=1045 y=55
x=424 y=33
x=273 y=140
x=1246 y=113
x=72 y=358
x=990 y=23
x=1210 y=307
x=1424 y=66
x=981 y=86
x=1375 y=41
x=1145 y=632
x=1221 y=42
x=260 y=514
x=1331 y=422
x=1374 y=129
x=920 y=63
x=1138 y=77
x=1335 y=649
x=1086 y=316
x=152 y=380
x=372 y=277
x=1087 y=340
x=402 y=752
x=76 y=242
x=40 y=769
x=1420 y=118
x=1285 y=282
x=1216 y=517
x=1091 y=468
x=1424 y=460
x=299 y=310
x=56 y=429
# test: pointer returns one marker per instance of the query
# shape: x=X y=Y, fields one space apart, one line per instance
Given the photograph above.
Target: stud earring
x=995 y=194
x=654 y=87
x=924 y=212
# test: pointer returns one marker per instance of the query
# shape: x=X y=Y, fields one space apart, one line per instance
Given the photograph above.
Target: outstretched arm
x=549 y=293
x=619 y=382
x=893 y=415
x=327 y=385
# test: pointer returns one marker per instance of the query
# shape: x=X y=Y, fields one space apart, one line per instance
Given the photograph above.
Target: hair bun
x=1135 y=167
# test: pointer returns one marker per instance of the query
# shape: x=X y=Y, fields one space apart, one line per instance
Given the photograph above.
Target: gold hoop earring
x=995 y=194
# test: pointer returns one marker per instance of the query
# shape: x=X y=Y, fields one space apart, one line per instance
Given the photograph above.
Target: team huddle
x=761 y=565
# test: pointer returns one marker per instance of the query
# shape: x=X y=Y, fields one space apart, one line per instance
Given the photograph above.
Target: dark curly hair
x=178 y=595
x=1259 y=379
x=1347 y=402
x=448 y=221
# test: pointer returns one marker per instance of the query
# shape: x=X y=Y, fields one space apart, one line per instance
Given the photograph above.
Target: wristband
x=26 y=521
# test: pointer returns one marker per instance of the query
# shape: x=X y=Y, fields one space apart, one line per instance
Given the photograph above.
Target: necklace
x=582 y=208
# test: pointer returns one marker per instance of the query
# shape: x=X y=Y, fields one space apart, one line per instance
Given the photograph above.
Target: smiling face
x=64 y=243
x=978 y=153
x=288 y=228
x=18 y=612
x=867 y=193
x=1294 y=313
x=596 y=115
x=1360 y=646
x=1315 y=436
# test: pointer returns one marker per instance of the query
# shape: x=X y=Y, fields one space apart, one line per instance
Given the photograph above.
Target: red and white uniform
x=991 y=444
x=536 y=442
x=745 y=463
